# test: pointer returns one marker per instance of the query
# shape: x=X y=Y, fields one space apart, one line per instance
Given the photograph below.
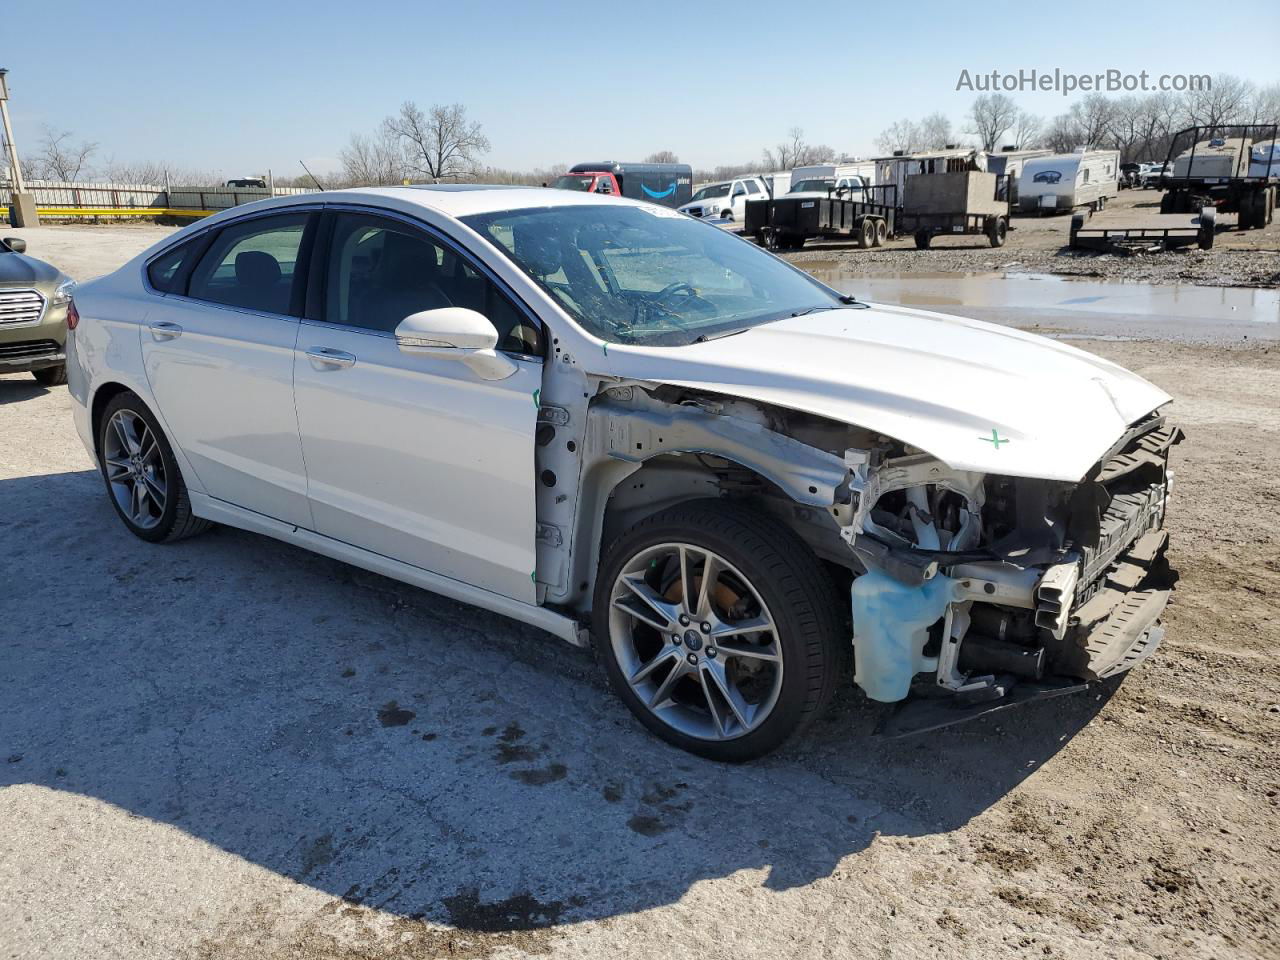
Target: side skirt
x=219 y=511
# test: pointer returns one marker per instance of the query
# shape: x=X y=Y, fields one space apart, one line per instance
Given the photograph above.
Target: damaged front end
x=982 y=591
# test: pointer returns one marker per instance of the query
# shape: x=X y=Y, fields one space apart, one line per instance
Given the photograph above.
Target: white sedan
x=627 y=427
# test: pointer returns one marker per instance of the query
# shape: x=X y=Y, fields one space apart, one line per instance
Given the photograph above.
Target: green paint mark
x=995 y=439
x=605 y=347
x=533 y=577
x=537 y=402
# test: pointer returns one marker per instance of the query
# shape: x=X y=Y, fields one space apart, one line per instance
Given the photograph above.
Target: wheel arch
x=667 y=455
x=102 y=396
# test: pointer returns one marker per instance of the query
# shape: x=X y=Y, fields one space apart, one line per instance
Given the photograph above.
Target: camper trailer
x=1009 y=160
x=1061 y=182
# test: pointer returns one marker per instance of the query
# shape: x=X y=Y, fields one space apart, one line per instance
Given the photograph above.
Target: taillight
x=73 y=315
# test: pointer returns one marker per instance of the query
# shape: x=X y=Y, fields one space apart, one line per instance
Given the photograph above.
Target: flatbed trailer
x=1215 y=167
x=1153 y=234
x=785 y=223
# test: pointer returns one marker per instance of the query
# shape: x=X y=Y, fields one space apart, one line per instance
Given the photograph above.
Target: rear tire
x=133 y=452
x=866 y=234
x=51 y=376
x=997 y=231
x=923 y=239
x=882 y=233
x=781 y=677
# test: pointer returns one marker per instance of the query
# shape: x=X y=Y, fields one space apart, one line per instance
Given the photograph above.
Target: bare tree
x=373 y=161
x=1063 y=133
x=60 y=159
x=1264 y=105
x=990 y=116
x=900 y=135
x=935 y=131
x=662 y=156
x=441 y=144
x=1025 y=131
x=795 y=152
x=1225 y=100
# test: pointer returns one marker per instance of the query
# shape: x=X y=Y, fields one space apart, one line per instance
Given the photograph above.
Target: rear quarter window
x=164 y=273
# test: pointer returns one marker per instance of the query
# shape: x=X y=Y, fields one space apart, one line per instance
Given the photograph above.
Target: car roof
x=463 y=199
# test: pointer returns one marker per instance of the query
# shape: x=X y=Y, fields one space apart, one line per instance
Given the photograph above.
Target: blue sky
x=241 y=87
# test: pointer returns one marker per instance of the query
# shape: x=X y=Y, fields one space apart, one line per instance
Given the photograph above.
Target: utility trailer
x=1234 y=168
x=1154 y=234
x=963 y=202
x=785 y=223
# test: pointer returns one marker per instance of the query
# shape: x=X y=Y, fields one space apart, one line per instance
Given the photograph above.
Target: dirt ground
x=230 y=748
x=1039 y=245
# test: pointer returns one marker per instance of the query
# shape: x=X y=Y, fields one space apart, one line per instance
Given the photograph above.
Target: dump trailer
x=963 y=202
x=1219 y=167
x=786 y=222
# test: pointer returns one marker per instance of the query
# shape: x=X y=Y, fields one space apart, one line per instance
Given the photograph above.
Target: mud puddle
x=1090 y=306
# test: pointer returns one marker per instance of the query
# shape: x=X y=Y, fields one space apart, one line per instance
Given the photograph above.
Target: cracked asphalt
x=231 y=748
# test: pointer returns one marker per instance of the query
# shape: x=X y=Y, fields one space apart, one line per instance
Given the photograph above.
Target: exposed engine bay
x=967 y=591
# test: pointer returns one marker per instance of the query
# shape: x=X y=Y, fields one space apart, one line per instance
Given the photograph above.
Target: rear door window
x=253 y=265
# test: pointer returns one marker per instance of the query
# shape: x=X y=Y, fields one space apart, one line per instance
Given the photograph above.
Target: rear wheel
x=141 y=475
x=718 y=628
x=51 y=376
x=866 y=234
x=923 y=239
x=882 y=233
x=997 y=230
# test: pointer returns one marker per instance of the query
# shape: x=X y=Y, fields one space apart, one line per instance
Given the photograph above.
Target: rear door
x=409 y=456
x=218 y=353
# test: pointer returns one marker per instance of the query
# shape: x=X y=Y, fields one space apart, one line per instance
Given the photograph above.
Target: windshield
x=648 y=275
x=573 y=182
x=819 y=186
x=711 y=192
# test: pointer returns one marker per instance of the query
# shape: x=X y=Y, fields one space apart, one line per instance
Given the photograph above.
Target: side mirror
x=16 y=244
x=458 y=333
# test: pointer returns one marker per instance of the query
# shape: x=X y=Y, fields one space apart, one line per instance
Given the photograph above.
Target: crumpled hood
x=975 y=395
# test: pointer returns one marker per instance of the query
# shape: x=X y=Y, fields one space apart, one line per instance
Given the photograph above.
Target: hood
x=975 y=395
x=20 y=270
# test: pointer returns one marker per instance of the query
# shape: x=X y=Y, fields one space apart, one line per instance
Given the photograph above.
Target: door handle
x=326 y=358
x=163 y=330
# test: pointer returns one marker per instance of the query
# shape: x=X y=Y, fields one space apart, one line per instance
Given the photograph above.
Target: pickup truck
x=727 y=199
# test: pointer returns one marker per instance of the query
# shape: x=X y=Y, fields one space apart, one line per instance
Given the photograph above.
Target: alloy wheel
x=135 y=469
x=695 y=641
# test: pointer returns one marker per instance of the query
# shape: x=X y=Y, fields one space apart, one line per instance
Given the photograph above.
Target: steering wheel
x=676 y=287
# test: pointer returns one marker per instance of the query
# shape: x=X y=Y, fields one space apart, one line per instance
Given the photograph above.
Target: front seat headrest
x=257 y=269
x=536 y=250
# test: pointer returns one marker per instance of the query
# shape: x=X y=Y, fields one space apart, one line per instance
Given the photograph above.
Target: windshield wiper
x=707 y=337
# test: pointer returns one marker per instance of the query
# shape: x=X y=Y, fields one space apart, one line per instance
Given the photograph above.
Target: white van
x=727 y=199
x=1064 y=181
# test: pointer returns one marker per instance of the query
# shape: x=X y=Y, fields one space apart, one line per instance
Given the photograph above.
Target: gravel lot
x=228 y=747
x=1039 y=245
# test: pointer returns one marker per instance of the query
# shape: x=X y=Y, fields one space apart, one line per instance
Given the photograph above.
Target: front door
x=409 y=456
x=219 y=358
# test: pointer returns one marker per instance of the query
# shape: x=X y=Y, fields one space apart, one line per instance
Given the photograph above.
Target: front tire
x=141 y=475
x=51 y=376
x=746 y=663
